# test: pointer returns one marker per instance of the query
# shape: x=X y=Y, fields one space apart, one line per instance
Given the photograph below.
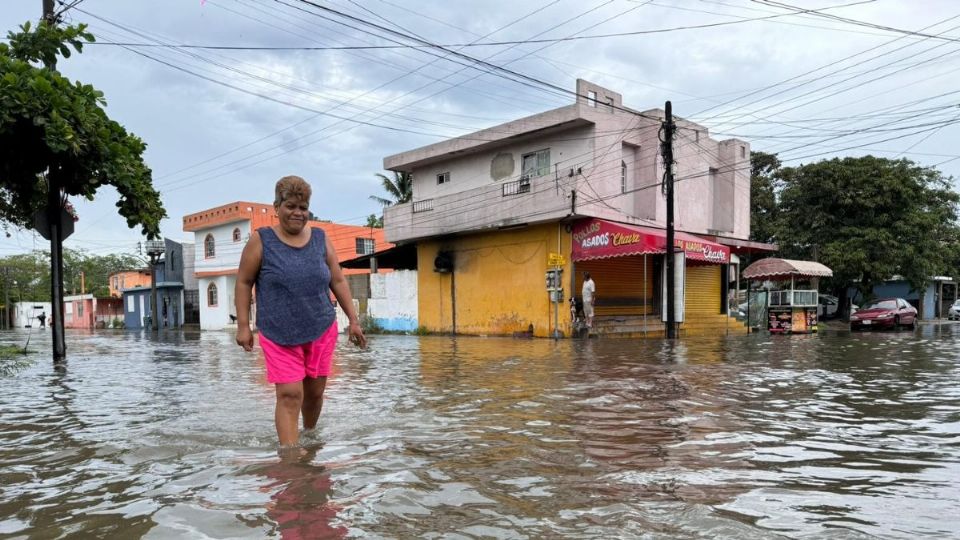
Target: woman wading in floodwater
x=294 y=268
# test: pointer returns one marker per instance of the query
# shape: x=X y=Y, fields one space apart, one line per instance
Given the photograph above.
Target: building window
x=443 y=178
x=212 y=295
x=535 y=164
x=236 y=235
x=743 y=151
x=623 y=177
x=209 y=247
x=365 y=246
x=592 y=98
x=116 y=282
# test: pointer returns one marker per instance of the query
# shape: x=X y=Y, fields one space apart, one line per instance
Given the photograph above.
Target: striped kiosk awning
x=783 y=269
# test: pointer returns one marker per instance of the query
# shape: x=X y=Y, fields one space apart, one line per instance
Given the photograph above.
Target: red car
x=884 y=313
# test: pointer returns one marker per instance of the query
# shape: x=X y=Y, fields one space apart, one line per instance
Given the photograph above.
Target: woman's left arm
x=341 y=290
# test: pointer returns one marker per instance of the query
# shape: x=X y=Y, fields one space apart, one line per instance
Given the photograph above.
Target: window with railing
x=422 y=206
x=516 y=188
x=535 y=163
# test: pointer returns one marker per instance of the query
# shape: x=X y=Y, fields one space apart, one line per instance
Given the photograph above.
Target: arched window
x=236 y=235
x=212 y=295
x=209 y=247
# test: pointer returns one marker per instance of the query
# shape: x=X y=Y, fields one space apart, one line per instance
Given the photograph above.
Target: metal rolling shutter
x=702 y=294
x=619 y=281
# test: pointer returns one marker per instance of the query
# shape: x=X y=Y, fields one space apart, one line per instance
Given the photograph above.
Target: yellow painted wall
x=498 y=279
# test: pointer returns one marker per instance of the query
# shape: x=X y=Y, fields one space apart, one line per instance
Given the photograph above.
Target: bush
x=369 y=325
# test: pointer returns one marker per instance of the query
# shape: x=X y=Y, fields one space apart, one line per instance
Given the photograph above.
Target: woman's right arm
x=246 y=276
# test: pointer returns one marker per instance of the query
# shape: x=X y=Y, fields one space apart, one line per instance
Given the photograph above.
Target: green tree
x=53 y=130
x=27 y=276
x=375 y=221
x=399 y=188
x=95 y=269
x=764 y=184
x=868 y=219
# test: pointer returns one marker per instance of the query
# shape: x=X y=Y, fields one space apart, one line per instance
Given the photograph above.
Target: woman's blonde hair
x=289 y=187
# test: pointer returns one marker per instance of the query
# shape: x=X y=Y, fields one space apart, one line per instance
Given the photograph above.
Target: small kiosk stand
x=789 y=311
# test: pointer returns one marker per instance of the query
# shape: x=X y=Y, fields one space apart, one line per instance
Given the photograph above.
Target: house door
x=191 y=307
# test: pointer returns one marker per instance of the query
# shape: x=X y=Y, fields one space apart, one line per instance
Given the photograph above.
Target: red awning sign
x=601 y=239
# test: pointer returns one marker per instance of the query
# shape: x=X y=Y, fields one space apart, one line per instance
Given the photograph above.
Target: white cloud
x=186 y=120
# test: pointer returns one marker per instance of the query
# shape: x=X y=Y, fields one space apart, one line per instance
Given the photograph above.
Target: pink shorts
x=293 y=363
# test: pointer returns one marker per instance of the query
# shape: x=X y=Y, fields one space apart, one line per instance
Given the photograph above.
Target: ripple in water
x=831 y=436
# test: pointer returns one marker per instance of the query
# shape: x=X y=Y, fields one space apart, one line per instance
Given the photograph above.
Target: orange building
x=128 y=279
x=220 y=234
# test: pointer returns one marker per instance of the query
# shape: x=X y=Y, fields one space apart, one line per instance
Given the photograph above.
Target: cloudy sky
x=314 y=93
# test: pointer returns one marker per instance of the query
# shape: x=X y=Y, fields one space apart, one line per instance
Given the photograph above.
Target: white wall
x=393 y=300
x=25 y=313
x=217 y=317
x=342 y=321
x=227 y=255
x=189 y=267
x=568 y=149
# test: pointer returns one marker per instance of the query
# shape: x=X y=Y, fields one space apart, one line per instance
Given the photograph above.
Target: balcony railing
x=517 y=187
x=422 y=206
x=793 y=298
x=485 y=206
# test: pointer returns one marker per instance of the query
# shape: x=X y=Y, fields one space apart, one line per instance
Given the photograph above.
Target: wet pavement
x=829 y=436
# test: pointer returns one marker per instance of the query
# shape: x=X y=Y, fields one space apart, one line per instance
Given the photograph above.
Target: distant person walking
x=589 y=293
x=42 y=317
x=294 y=268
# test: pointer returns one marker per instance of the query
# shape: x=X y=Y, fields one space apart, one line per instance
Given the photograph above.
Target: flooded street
x=831 y=436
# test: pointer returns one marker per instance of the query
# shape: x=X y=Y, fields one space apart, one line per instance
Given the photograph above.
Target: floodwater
x=830 y=436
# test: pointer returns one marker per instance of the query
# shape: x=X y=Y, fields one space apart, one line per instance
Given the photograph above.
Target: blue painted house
x=137 y=305
x=932 y=301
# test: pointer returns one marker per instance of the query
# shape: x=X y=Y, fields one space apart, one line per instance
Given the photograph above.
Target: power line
x=482 y=44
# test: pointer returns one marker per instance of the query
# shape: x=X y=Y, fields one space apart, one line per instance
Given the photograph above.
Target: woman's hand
x=245 y=338
x=356 y=335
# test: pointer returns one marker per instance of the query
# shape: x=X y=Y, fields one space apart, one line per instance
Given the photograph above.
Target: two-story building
x=581 y=185
x=138 y=300
x=220 y=234
x=128 y=279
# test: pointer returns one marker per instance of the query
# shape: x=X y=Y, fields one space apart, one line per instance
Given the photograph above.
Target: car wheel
x=913 y=323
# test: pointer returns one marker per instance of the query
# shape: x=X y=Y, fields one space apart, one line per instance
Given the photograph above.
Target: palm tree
x=400 y=188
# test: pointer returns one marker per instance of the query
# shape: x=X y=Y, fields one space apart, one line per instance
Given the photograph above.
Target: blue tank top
x=293 y=289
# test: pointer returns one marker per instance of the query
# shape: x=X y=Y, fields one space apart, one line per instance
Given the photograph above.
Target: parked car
x=828 y=307
x=954 y=312
x=884 y=313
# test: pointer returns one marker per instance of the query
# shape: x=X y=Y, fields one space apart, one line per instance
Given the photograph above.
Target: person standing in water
x=588 y=293
x=294 y=268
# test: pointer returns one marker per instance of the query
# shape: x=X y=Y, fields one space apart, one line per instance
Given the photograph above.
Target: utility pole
x=6 y=297
x=54 y=204
x=155 y=249
x=668 y=129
